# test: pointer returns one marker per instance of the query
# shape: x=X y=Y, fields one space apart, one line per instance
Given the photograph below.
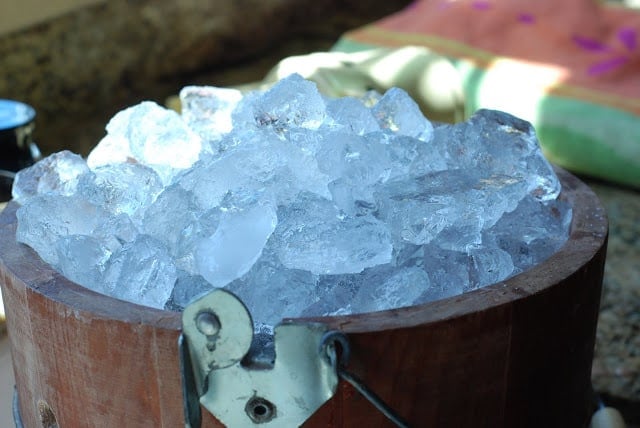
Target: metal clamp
x=243 y=383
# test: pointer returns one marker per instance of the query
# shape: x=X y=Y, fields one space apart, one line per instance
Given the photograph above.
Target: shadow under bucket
x=515 y=353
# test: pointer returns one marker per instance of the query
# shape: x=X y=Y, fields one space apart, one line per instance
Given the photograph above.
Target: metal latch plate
x=240 y=392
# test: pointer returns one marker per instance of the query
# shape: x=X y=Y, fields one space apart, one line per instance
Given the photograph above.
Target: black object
x=17 y=149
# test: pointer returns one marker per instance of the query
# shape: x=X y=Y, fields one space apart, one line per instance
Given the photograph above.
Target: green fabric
x=570 y=136
x=570 y=130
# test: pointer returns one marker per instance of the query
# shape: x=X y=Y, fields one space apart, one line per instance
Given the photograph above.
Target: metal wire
x=329 y=345
x=373 y=398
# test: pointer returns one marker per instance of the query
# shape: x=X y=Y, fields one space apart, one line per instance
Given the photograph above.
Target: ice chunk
x=488 y=266
x=308 y=141
x=408 y=156
x=532 y=232
x=263 y=166
x=498 y=143
x=56 y=174
x=370 y=98
x=388 y=287
x=156 y=137
x=454 y=206
x=301 y=206
x=207 y=110
x=236 y=244
x=448 y=271
x=453 y=272
x=115 y=230
x=111 y=149
x=418 y=209
x=350 y=155
x=175 y=220
x=46 y=218
x=335 y=295
x=82 y=259
x=374 y=289
x=122 y=188
x=291 y=102
x=187 y=288
x=398 y=113
x=355 y=166
x=314 y=235
x=352 y=114
x=289 y=292
x=252 y=167
x=141 y=272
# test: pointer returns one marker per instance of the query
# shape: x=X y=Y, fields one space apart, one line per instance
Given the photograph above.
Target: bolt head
x=207 y=323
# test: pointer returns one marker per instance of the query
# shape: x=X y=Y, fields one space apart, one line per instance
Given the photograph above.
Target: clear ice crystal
x=386 y=287
x=290 y=291
x=532 y=232
x=291 y=102
x=504 y=145
x=236 y=244
x=56 y=174
x=351 y=114
x=250 y=167
x=448 y=272
x=354 y=167
x=262 y=165
x=187 y=288
x=146 y=263
x=488 y=266
x=112 y=149
x=44 y=219
x=82 y=259
x=153 y=136
x=312 y=234
x=123 y=188
x=180 y=230
x=300 y=205
x=397 y=112
x=207 y=110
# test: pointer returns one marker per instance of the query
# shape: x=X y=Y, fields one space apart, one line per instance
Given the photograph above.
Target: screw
x=260 y=410
x=207 y=323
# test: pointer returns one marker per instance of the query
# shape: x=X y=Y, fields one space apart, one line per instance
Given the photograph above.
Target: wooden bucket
x=516 y=353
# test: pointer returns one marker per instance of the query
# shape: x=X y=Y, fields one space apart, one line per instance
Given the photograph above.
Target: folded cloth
x=431 y=80
x=572 y=68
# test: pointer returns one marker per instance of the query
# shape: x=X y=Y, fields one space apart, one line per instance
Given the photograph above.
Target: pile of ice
x=300 y=205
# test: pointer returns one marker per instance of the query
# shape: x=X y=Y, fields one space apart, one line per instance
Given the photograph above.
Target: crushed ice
x=301 y=205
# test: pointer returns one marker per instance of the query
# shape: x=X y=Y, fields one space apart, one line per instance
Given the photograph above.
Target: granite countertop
x=616 y=367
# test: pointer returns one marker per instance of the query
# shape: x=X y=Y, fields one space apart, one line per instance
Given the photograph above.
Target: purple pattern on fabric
x=608 y=65
x=481 y=5
x=628 y=37
x=590 y=44
x=526 y=18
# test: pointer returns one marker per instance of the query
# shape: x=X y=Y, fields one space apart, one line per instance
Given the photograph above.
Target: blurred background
x=78 y=62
